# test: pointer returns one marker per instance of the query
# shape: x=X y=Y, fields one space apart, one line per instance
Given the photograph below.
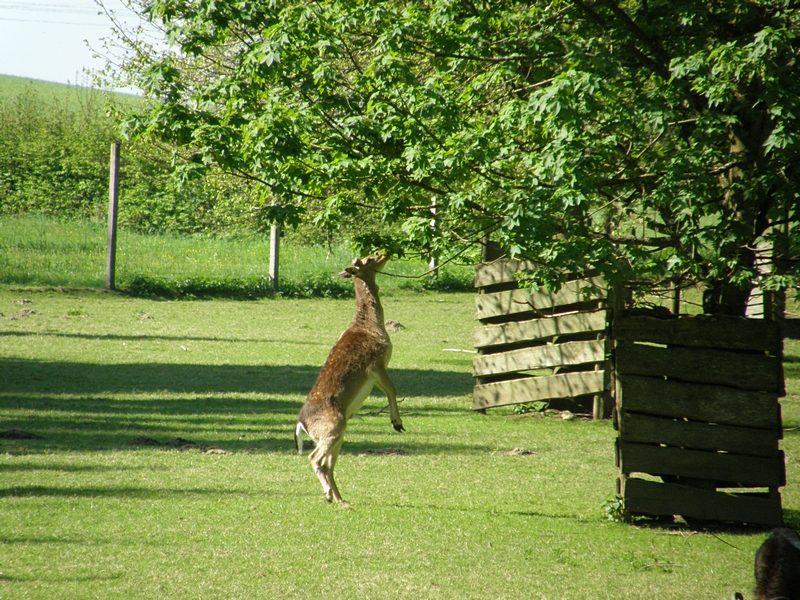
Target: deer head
x=366 y=268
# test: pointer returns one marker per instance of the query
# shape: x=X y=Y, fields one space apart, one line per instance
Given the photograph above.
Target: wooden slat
x=539 y=357
x=653 y=498
x=717 y=367
x=535 y=389
x=755 y=304
x=698 y=436
x=537 y=329
x=526 y=301
x=732 y=333
x=734 y=468
x=709 y=403
x=499 y=271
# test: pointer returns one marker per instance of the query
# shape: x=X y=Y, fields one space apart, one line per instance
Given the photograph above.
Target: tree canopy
x=655 y=141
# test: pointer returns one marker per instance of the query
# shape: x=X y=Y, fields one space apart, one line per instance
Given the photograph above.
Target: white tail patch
x=298 y=437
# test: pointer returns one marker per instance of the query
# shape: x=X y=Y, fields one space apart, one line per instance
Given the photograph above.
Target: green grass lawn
x=444 y=510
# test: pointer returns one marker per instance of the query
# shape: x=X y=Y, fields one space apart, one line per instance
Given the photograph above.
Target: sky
x=47 y=39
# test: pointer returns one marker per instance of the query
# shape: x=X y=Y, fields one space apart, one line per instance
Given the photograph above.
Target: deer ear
x=348 y=272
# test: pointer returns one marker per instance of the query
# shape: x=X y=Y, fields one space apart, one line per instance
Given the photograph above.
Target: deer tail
x=298 y=437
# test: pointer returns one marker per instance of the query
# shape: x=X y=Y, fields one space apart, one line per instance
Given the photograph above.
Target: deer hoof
x=398 y=426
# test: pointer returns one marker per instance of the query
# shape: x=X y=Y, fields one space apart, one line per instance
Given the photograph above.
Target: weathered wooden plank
x=543 y=328
x=517 y=302
x=539 y=357
x=733 y=333
x=697 y=402
x=698 y=436
x=755 y=304
x=500 y=271
x=716 y=367
x=534 y=389
x=750 y=471
x=653 y=498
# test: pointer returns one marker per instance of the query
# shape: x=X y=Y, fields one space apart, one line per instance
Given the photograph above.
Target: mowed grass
x=39 y=252
x=445 y=510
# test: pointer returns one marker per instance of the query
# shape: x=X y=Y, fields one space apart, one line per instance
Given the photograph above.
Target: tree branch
x=654 y=65
x=486 y=59
x=634 y=241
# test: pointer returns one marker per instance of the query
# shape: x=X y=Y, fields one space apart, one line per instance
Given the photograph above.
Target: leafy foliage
x=53 y=159
x=317 y=285
x=614 y=508
x=529 y=407
x=54 y=156
x=152 y=200
x=656 y=141
x=313 y=286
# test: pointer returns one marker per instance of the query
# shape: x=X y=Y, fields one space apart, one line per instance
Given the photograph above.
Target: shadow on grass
x=791 y=329
x=59 y=578
x=39 y=377
x=791 y=518
x=23 y=491
x=118 y=430
x=149 y=337
x=687 y=525
x=81 y=406
x=54 y=467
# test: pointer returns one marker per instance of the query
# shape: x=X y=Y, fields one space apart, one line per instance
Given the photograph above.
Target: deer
x=356 y=363
x=777 y=566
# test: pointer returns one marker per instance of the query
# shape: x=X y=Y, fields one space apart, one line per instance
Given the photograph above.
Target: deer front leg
x=387 y=387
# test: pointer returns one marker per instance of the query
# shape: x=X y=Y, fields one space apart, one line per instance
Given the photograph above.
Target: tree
x=657 y=142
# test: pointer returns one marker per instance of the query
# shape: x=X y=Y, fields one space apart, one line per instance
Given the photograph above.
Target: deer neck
x=369 y=312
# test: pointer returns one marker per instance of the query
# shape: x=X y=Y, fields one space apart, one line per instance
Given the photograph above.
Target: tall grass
x=36 y=251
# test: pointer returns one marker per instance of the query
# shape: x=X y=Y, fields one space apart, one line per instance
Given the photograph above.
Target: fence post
x=274 y=249
x=433 y=264
x=113 y=192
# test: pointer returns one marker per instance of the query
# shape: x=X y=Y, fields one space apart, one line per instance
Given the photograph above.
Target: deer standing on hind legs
x=356 y=363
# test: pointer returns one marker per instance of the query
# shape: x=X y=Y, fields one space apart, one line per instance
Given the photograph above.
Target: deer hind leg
x=328 y=463
x=317 y=458
x=323 y=459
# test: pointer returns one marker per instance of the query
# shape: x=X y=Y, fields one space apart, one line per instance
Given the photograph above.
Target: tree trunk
x=724 y=298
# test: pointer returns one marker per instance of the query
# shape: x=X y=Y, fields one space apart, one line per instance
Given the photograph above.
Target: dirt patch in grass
x=518 y=452
x=16 y=434
x=383 y=452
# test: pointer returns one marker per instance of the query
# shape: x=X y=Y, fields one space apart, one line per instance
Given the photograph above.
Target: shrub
x=53 y=158
x=313 y=286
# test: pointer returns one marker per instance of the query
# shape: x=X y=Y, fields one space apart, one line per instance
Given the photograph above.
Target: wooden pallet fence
x=539 y=346
x=697 y=406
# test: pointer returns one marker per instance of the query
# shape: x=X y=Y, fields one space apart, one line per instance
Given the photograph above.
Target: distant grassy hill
x=11 y=87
